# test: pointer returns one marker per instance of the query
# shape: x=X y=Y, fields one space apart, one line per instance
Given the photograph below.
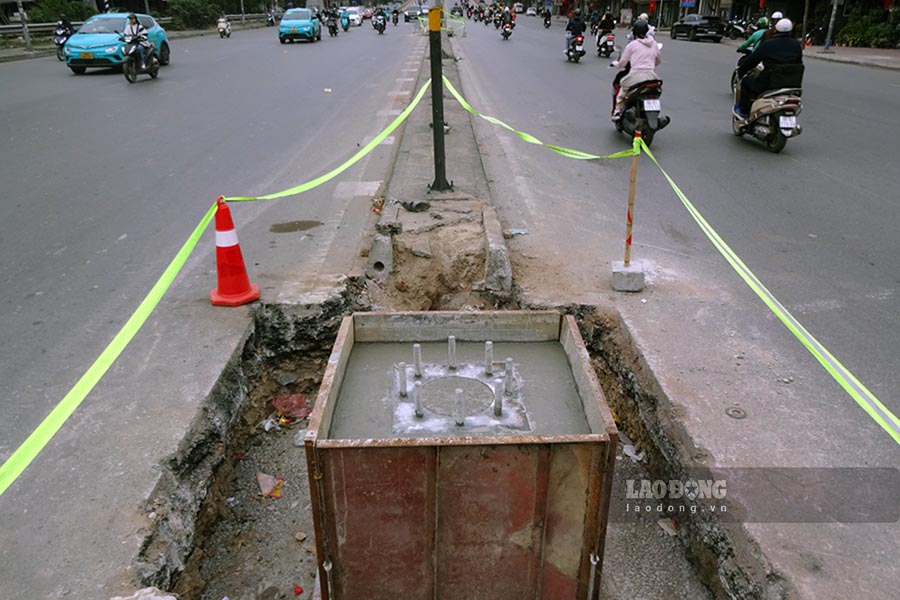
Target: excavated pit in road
x=214 y=535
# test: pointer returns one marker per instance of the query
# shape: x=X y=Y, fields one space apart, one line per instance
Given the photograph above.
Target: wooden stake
x=634 y=165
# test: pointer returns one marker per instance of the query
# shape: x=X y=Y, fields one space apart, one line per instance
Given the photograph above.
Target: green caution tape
x=35 y=443
x=860 y=393
x=567 y=152
x=447 y=22
x=29 y=449
x=305 y=187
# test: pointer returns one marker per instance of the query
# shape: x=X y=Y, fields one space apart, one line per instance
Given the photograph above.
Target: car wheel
x=717 y=39
x=693 y=35
x=319 y=37
x=164 y=54
x=78 y=70
x=672 y=33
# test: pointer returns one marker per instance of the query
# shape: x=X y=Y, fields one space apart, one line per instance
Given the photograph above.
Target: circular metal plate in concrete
x=439 y=395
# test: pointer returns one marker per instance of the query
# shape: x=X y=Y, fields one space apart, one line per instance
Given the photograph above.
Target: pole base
x=627 y=279
x=440 y=185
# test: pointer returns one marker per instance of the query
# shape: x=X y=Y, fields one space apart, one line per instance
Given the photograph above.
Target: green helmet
x=762 y=23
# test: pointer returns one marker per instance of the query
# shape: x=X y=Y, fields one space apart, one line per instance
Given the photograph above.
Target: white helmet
x=644 y=17
x=777 y=15
x=784 y=26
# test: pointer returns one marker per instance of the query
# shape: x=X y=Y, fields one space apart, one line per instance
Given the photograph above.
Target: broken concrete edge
x=727 y=557
x=184 y=501
x=497 y=267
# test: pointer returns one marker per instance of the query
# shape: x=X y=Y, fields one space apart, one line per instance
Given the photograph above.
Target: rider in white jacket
x=135 y=31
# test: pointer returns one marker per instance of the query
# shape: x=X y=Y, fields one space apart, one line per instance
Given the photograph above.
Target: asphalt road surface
x=104 y=181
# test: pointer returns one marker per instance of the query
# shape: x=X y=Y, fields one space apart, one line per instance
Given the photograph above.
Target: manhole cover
x=439 y=395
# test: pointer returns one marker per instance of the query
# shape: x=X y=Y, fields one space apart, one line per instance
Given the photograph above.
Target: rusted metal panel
x=490 y=503
x=379 y=510
x=568 y=517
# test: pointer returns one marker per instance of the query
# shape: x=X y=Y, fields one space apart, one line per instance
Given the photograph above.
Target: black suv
x=696 y=26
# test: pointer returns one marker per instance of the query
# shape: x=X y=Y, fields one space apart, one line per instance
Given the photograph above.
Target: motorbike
x=576 y=49
x=736 y=28
x=773 y=115
x=547 y=22
x=224 y=27
x=506 y=31
x=595 y=29
x=641 y=108
x=378 y=24
x=395 y=16
x=735 y=78
x=60 y=37
x=469 y=13
x=606 y=44
x=345 y=22
x=270 y=20
x=131 y=67
x=332 y=25
x=498 y=18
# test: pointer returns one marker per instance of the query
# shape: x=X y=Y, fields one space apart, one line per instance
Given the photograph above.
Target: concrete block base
x=627 y=279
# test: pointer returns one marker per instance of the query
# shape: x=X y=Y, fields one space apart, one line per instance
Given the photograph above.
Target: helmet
x=132 y=16
x=577 y=12
x=640 y=28
x=784 y=26
x=762 y=23
x=644 y=17
x=777 y=15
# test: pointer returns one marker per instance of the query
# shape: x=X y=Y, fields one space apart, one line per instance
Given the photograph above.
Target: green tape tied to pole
x=567 y=152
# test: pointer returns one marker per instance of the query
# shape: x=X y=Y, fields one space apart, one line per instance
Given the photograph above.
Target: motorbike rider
x=754 y=40
x=63 y=23
x=770 y=32
x=645 y=17
x=782 y=60
x=640 y=57
x=395 y=15
x=506 y=18
x=574 y=28
x=547 y=14
x=134 y=31
x=607 y=23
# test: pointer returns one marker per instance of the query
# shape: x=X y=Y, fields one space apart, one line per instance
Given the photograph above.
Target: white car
x=531 y=11
x=355 y=16
x=518 y=7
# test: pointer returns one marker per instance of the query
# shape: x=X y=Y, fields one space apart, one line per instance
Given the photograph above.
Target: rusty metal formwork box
x=437 y=472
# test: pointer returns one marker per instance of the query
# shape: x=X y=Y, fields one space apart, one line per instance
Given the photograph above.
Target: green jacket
x=752 y=41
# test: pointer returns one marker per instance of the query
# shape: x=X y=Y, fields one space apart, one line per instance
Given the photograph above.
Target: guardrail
x=40 y=28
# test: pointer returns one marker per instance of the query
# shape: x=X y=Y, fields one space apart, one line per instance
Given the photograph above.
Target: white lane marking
x=346 y=190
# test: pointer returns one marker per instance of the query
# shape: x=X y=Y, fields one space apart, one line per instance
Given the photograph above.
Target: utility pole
x=24 y=25
x=437 y=100
x=827 y=47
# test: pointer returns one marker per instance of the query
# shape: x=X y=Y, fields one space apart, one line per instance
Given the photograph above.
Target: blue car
x=299 y=24
x=96 y=43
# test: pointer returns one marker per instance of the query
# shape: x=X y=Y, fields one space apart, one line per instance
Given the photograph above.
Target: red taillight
x=579 y=39
x=611 y=37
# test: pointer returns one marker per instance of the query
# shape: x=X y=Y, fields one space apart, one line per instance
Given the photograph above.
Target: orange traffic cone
x=234 y=288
